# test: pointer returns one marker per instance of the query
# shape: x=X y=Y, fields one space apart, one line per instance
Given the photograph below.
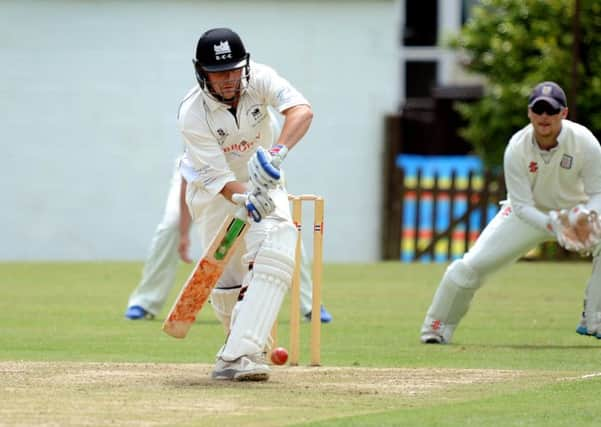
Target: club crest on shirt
x=256 y=114
x=221 y=136
x=566 y=161
x=533 y=167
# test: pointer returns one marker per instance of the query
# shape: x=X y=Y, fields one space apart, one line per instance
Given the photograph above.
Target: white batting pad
x=592 y=309
x=271 y=278
x=223 y=302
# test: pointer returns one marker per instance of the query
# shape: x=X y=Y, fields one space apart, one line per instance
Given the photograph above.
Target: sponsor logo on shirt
x=533 y=167
x=240 y=147
x=566 y=161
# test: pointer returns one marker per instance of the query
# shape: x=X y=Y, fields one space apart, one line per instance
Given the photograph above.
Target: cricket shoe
x=241 y=369
x=136 y=312
x=582 y=330
x=432 y=338
x=325 y=316
x=260 y=358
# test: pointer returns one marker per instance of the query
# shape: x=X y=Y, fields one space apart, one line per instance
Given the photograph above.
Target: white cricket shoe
x=241 y=369
x=432 y=338
x=259 y=358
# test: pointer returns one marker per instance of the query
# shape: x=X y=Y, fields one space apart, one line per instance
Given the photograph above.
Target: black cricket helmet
x=219 y=49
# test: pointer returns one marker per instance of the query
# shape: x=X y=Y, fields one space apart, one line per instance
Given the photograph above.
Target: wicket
x=295 y=317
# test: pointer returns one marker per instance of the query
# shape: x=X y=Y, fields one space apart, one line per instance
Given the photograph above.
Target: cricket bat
x=205 y=275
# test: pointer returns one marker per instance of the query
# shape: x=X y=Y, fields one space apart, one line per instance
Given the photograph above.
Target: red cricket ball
x=279 y=355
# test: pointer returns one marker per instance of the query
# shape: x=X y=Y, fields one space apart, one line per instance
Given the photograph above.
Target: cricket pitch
x=148 y=394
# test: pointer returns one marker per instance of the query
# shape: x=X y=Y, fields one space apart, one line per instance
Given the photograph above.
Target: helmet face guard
x=220 y=49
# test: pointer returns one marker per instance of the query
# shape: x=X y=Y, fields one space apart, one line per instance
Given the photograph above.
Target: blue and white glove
x=262 y=171
x=258 y=204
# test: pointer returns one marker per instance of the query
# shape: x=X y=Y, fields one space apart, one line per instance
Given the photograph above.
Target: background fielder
x=550 y=165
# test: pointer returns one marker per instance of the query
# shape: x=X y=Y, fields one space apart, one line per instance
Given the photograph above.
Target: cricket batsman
x=553 y=176
x=228 y=134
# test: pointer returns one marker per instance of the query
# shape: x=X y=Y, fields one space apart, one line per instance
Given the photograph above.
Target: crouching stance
x=553 y=176
x=233 y=158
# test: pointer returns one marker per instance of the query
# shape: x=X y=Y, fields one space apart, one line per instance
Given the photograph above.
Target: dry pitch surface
x=126 y=394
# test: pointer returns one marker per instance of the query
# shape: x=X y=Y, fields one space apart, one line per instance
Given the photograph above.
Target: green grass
x=564 y=404
x=522 y=319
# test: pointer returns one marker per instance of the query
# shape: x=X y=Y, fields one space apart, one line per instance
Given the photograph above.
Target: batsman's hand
x=183 y=248
x=258 y=204
x=263 y=171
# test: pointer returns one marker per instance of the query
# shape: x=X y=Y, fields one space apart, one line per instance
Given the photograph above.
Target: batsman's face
x=546 y=121
x=226 y=83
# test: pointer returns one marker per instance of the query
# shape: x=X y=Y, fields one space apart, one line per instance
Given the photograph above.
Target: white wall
x=89 y=92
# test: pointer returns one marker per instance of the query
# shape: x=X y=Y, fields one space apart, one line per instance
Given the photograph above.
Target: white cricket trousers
x=160 y=268
x=505 y=239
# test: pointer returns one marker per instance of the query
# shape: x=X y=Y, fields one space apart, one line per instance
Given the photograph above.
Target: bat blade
x=204 y=277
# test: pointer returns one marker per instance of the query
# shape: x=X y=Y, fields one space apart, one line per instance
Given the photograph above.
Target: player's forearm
x=532 y=216
x=233 y=187
x=296 y=124
x=594 y=203
x=184 y=213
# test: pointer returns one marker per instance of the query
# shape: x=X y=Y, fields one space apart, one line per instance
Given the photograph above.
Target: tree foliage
x=516 y=44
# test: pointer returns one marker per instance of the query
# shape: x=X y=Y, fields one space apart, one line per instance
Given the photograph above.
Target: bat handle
x=241 y=213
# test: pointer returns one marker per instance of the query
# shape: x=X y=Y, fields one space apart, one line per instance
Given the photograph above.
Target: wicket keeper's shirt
x=559 y=178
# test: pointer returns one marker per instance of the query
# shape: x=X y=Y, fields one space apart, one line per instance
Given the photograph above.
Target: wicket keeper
x=553 y=177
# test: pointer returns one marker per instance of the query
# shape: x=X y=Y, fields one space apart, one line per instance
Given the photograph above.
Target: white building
x=89 y=93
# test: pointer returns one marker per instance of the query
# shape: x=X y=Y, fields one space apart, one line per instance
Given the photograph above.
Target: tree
x=516 y=44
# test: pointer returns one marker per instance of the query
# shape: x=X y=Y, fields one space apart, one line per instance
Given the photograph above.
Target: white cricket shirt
x=560 y=178
x=219 y=145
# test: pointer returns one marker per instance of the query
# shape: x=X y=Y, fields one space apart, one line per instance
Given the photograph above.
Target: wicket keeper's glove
x=559 y=225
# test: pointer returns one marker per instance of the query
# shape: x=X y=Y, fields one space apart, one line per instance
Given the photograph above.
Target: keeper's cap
x=549 y=92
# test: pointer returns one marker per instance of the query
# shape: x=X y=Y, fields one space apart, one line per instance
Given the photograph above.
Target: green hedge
x=515 y=44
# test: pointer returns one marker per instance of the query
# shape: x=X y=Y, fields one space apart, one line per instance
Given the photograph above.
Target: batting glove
x=278 y=154
x=258 y=204
x=262 y=172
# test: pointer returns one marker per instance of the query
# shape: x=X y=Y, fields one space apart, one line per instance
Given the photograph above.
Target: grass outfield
x=68 y=357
